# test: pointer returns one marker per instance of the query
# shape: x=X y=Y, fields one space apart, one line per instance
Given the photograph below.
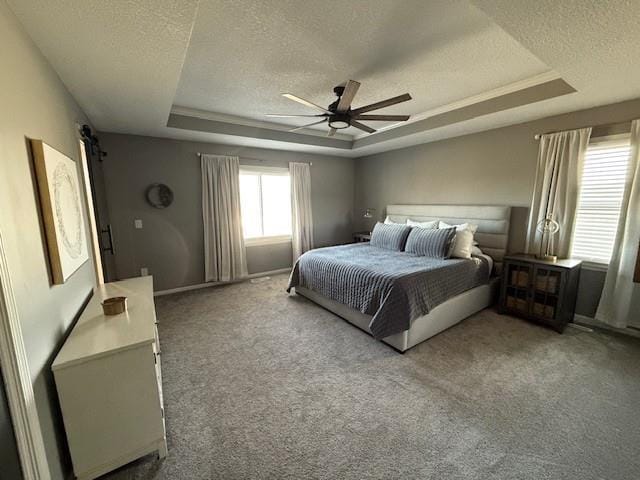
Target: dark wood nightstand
x=361 y=237
x=538 y=290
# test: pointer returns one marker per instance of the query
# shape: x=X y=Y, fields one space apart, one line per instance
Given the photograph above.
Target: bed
x=457 y=288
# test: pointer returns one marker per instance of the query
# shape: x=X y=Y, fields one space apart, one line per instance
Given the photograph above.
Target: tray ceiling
x=244 y=54
x=210 y=70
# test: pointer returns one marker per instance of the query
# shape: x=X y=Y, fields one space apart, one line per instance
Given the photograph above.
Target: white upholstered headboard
x=493 y=223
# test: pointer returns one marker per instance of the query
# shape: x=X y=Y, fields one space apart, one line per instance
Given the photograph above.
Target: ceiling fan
x=339 y=114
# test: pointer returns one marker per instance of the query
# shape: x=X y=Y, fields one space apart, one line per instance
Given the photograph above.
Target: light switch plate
x=144 y=271
x=138 y=223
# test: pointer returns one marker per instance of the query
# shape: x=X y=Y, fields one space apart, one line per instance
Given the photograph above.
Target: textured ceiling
x=592 y=44
x=244 y=54
x=123 y=61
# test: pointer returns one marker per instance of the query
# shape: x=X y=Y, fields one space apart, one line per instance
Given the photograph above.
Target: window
x=265 y=202
x=602 y=188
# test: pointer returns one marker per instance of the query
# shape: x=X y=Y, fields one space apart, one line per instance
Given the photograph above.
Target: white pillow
x=476 y=252
x=389 y=221
x=428 y=225
x=461 y=226
x=463 y=241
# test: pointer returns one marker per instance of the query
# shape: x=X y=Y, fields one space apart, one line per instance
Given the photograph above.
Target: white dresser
x=109 y=382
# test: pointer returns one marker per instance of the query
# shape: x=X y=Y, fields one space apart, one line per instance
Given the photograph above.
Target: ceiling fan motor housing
x=339 y=121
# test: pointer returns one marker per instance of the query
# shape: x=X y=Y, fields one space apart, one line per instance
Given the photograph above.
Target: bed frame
x=492 y=237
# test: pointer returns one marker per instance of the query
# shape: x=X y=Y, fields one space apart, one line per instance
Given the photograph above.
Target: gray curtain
x=560 y=160
x=301 y=214
x=620 y=302
x=224 y=252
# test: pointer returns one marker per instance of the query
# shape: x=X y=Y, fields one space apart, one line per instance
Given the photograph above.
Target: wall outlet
x=137 y=223
x=144 y=271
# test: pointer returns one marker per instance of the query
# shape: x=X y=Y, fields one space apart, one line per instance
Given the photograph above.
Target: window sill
x=254 y=242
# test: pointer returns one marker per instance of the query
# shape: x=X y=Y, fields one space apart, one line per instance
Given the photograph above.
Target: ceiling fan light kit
x=339 y=121
x=339 y=114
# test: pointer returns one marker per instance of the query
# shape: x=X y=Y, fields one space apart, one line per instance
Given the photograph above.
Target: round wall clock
x=159 y=195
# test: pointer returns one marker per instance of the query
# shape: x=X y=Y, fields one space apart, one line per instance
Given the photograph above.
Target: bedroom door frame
x=17 y=380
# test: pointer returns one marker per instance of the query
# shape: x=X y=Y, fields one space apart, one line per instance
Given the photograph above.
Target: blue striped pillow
x=391 y=236
x=434 y=243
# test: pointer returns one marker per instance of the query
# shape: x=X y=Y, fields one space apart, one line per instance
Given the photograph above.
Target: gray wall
x=171 y=241
x=493 y=167
x=36 y=104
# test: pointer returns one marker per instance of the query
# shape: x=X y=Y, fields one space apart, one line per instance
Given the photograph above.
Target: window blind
x=601 y=190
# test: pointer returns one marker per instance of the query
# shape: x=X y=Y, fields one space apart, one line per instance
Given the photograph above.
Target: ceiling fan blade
x=332 y=132
x=384 y=103
x=290 y=96
x=308 y=125
x=277 y=115
x=362 y=126
x=384 y=118
x=350 y=90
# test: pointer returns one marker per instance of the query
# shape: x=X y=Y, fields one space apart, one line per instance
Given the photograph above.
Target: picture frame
x=62 y=210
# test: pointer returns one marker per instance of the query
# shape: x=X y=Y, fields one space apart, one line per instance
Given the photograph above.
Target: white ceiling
x=128 y=62
x=121 y=60
x=244 y=54
x=592 y=44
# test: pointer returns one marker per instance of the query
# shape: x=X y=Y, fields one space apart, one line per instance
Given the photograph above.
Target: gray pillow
x=431 y=243
x=391 y=236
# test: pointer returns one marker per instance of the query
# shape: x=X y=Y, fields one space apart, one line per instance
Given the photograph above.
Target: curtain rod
x=246 y=158
x=622 y=125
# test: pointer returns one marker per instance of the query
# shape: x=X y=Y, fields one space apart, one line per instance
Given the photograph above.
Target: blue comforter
x=393 y=287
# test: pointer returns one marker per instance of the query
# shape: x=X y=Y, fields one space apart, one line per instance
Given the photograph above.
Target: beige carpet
x=259 y=384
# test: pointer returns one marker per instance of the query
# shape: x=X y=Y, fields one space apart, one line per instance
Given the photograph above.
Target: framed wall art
x=62 y=210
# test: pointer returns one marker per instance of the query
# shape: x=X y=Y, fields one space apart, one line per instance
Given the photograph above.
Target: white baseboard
x=592 y=322
x=215 y=284
x=169 y=291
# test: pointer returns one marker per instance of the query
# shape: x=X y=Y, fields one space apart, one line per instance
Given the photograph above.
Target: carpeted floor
x=262 y=385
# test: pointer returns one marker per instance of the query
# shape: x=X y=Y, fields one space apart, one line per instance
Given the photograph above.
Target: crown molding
x=249 y=122
x=518 y=98
x=217 y=122
x=196 y=124
x=466 y=102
